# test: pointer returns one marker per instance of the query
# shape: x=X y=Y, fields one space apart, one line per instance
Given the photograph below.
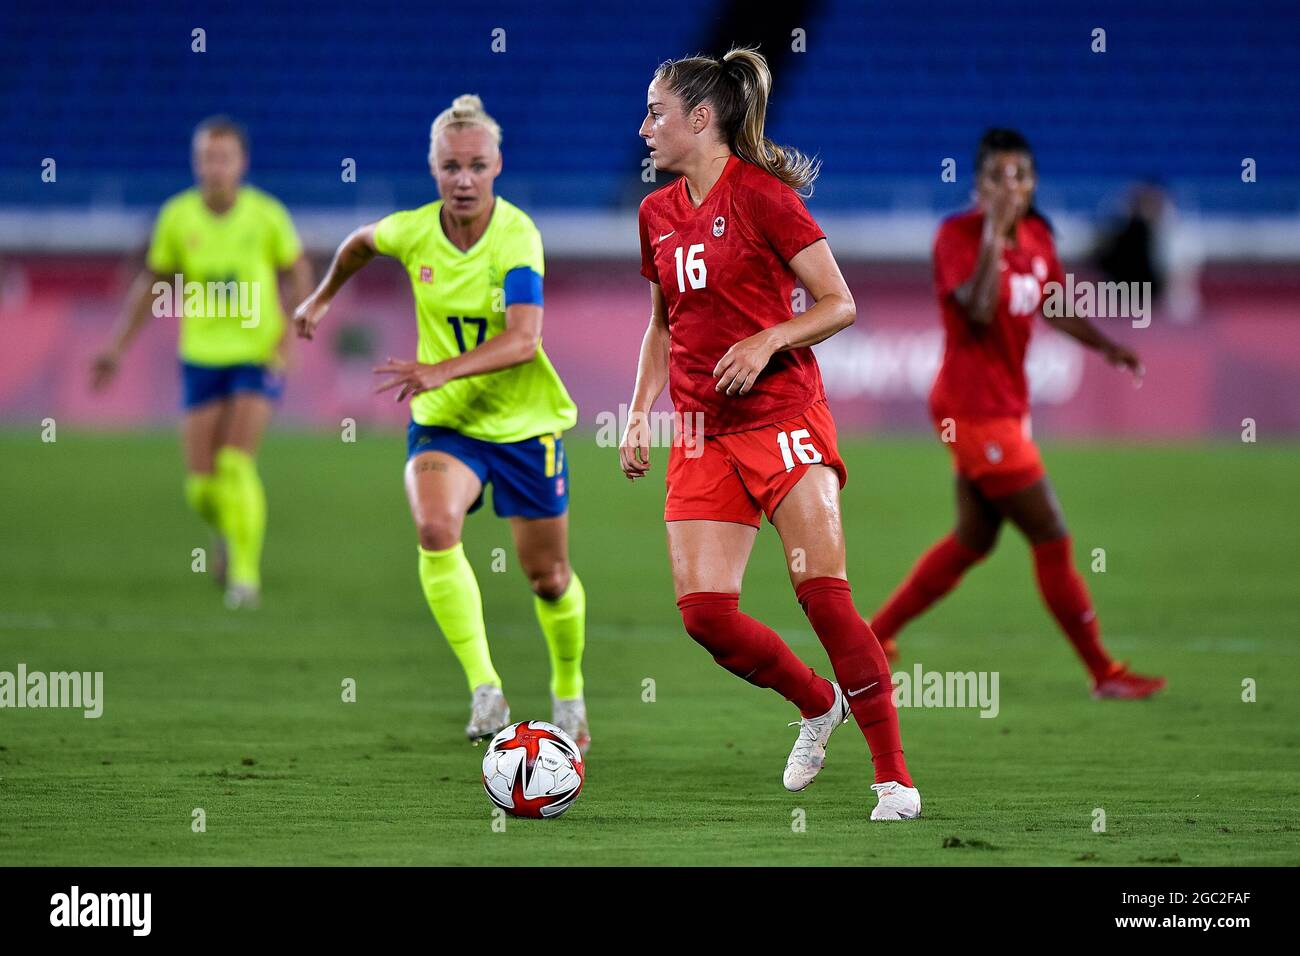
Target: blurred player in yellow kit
x=487 y=407
x=217 y=251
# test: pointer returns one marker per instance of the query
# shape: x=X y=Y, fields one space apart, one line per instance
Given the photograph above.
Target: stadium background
x=1183 y=93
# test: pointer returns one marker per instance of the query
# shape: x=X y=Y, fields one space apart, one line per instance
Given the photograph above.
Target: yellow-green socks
x=242 y=510
x=564 y=623
x=453 y=595
x=201 y=493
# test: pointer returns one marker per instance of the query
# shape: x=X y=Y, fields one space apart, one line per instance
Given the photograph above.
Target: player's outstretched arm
x=514 y=345
x=1078 y=327
x=833 y=311
x=139 y=309
x=651 y=377
x=355 y=251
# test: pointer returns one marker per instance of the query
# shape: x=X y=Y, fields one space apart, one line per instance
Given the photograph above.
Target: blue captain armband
x=523 y=286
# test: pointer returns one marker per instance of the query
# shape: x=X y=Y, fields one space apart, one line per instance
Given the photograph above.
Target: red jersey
x=724 y=272
x=983 y=372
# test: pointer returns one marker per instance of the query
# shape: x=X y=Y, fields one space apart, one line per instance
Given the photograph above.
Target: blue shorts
x=205 y=383
x=529 y=478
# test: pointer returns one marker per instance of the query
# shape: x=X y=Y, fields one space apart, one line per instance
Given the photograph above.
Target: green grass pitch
x=240 y=714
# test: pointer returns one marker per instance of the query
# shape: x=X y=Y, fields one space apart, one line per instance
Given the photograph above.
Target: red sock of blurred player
x=934 y=575
x=861 y=669
x=1066 y=597
x=753 y=651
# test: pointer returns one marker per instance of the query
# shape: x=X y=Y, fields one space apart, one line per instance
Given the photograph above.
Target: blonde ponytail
x=738 y=86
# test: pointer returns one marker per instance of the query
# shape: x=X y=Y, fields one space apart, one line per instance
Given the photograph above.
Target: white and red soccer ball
x=533 y=769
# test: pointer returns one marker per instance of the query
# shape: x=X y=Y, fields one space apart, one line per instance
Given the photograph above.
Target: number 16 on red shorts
x=741 y=476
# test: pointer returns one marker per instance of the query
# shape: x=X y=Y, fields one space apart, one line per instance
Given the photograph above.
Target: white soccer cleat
x=243 y=597
x=570 y=715
x=488 y=712
x=809 y=753
x=896 y=802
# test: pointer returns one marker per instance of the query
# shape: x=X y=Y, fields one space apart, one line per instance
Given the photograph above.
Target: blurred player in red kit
x=991 y=264
x=722 y=247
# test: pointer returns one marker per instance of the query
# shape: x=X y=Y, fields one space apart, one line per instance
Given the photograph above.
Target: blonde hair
x=465 y=110
x=738 y=85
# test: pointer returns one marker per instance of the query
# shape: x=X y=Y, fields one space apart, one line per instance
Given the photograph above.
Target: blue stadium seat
x=1185 y=90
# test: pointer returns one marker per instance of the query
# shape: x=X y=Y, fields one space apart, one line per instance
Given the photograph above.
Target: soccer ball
x=533 y=769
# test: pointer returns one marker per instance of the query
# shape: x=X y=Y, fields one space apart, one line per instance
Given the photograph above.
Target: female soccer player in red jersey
x=990 y=266
x=722 y=247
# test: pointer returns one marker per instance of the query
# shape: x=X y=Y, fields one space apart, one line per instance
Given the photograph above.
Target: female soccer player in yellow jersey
x=216 y=254
x=486 y=406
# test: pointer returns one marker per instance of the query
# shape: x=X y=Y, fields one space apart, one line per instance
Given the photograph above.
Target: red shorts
x=741 y=476
x=997 y=454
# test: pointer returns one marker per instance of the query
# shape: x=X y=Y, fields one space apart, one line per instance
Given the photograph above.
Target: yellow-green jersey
x=227 y=294
x=460 y=303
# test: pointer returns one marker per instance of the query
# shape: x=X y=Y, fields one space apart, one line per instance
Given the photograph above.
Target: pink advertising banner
x=1240 y=360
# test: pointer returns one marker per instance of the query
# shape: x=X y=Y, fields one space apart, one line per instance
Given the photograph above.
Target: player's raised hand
x=102 y=370
x=634 y=448
x=410 y=378
x=308 y=315
x=737 y=371
x=1004 y=209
